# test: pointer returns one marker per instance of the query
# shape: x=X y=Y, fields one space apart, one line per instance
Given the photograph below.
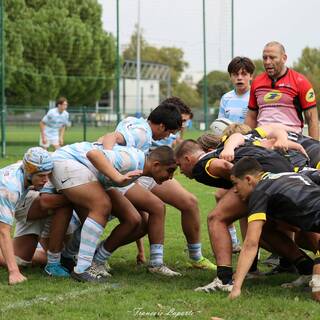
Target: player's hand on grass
x=16 y=277
x=227 y=154
x=235 y=293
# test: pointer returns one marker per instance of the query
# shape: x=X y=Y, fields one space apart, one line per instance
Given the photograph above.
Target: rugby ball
x=218 y=125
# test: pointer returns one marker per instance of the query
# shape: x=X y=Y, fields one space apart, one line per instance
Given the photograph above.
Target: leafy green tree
x=171 y=56
x=54 y=48
x=259 y=67
x=309 y=65
x=218 y=84
x=187 y=94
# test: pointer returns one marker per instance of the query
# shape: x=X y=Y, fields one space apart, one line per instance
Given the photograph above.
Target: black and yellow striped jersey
x=270 y=161
x=297 y=159
x=291 y=197
x=311 y=146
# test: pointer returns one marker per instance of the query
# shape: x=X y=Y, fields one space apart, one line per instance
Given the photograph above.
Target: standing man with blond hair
x=282 y=95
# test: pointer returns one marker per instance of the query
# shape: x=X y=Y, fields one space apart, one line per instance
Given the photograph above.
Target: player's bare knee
x=188 y=203
x=157 y=207
x=103 y=207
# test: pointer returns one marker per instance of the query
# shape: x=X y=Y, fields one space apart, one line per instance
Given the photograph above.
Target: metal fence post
x=84 y=117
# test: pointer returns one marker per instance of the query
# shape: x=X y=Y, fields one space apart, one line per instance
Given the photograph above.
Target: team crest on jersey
x=310 y=96
x=272 y=96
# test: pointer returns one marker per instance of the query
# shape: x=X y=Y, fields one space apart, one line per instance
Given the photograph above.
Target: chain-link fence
x=86 y=124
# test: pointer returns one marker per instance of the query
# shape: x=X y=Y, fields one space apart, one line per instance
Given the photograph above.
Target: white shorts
x=24 y=205
x=70 y=173
x=147 y=182
x=124 y=190
x=50 y=141
x=40 y=227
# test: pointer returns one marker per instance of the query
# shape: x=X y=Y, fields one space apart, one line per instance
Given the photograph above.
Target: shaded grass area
x=132 y=293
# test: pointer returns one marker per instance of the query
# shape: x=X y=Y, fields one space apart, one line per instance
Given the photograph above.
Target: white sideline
x=55 y=299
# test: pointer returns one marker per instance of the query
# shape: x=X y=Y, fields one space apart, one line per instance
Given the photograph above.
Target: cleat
x=215 y=285
x=279 y=269
x=68 y=263
x=272 y=260
x=254 y=274
x=203 y=263
x=100 y=268
x=236 y=248
x=89 y=275
x=56 y=270
x=302 y=281
x=163 y=270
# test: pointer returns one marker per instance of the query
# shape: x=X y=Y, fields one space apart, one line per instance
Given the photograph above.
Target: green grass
x=132 y=293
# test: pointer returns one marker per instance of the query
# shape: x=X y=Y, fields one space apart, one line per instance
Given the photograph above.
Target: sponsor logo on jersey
x=310 y=96
x=272 y=96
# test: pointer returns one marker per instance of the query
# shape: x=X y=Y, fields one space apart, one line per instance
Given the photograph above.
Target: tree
x=55 y=48
x=171 y=56
x=259 y=67
x=309 y=65
x=218 y=84
x=187 y=94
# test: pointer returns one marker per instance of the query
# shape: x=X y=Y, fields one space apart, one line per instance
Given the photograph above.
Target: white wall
x=150 y=95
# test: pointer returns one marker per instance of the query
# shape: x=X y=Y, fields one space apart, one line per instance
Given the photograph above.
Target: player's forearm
x=251 y=119
x=7 y=248
x=42 y=127
x=234 y=141
x=61 y=132
x=313 y=130
x=110 y=139
x=311 y=117
x=246 y=258
x=53 y=201
x=103 y=165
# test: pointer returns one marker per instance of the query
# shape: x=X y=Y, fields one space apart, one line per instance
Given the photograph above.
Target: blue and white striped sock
x=102 y=255
x=195 y=251
x=72 y=247
x=233 y=234
x=156 y=255
x=90 y=234
x=53 y=257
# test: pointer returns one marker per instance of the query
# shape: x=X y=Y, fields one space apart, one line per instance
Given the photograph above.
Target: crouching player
x=15 y=180
x=118 y=167
x=289 y=197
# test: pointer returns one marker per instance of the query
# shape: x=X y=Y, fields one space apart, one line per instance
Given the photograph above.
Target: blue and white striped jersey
x=54 y=120
x=136 y=132
x=233 y=106
x=12 y=190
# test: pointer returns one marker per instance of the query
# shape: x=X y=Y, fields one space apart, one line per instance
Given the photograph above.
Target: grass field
x=132 y=293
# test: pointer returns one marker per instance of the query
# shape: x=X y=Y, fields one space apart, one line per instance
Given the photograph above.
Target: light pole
x=138 y=99
x=232 y=29
x=2 y=80
x=205 y=81
x=118 y=69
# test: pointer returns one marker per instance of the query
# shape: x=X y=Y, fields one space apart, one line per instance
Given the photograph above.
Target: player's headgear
x=36 y=160
x=217 y=126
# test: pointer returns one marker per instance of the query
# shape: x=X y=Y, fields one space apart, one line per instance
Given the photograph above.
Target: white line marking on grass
x=57 y=298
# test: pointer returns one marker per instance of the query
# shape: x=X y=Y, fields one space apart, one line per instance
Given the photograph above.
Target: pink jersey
x=282 y=101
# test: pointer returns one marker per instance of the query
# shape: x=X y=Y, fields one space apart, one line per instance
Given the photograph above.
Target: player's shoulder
x=229 y=95
x=297 y=76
